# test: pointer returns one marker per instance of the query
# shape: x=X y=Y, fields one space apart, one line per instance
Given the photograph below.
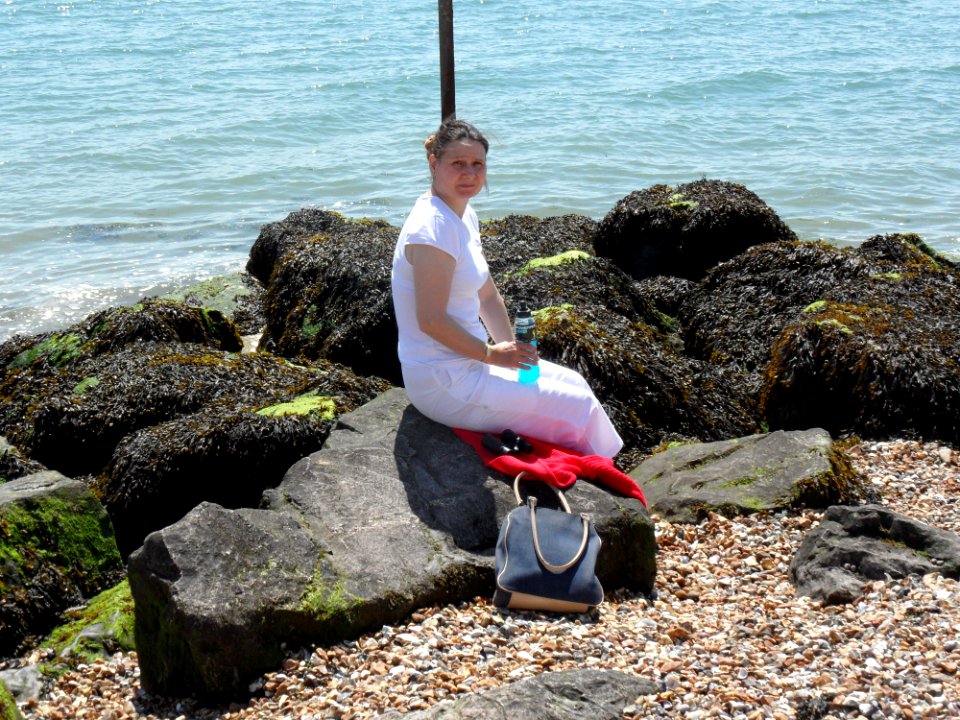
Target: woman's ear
x=433 y=163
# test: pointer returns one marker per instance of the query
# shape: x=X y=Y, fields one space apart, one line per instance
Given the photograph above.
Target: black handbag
x=546 y=558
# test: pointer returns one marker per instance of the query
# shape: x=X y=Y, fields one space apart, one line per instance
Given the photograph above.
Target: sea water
x=145 y=142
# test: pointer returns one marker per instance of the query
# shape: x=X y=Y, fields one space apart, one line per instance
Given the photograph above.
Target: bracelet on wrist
x=486 y=352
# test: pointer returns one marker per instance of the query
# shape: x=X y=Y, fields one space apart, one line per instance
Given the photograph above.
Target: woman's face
x=460 y=172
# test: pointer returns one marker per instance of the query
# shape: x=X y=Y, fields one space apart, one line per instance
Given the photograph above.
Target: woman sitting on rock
x=447 y=306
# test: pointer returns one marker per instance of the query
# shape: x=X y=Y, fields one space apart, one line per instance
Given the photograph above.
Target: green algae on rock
x=98 y=629
x=8 y=705
x=303 y=405
x=56 y=548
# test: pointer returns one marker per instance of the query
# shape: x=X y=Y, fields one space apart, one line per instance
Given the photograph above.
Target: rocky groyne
x=706 y=328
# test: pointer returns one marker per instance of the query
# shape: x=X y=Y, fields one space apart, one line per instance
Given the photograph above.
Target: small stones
x=726 y=638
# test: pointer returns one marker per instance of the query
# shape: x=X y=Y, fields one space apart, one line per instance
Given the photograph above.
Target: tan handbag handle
x=516 y=492
x=556 y=569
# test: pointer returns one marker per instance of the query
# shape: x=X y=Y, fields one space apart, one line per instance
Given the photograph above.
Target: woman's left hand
x=513 y=354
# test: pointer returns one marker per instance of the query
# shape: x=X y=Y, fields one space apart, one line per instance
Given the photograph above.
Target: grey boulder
x=393 y=513
x=854 y=545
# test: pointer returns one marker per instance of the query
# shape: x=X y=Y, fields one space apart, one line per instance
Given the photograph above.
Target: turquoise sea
x=144 y=142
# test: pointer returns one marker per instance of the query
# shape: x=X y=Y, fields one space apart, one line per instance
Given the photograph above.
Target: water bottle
x=525 y=329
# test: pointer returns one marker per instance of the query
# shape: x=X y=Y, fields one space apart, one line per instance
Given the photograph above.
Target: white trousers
x=559 y=407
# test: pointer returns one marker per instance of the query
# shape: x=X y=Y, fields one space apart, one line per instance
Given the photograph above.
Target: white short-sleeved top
x=432 y=222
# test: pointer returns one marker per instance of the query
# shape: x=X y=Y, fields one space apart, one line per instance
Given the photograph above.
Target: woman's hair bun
x=430 y=143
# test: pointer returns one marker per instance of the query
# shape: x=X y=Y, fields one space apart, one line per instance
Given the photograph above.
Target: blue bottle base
x=529 y=374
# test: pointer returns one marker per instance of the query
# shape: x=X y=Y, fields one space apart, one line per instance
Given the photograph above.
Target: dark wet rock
x=875 y=356
x=576 y=279
x=275 y=239
x=650 y=392
x=14 y=464
x=687 y=229
x=56 y=548
x=773 y=471
x=742 y=307
x=238 y=297
x=563 y=695
x=854 y=545
x=393 y=513
x=329 y=297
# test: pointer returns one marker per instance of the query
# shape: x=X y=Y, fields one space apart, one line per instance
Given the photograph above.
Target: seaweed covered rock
x=238 y=297
x=739 y=476
x=667 y=293
x=875 y=355
x=649 y=391
x=153 y=320
x=576 y=279
x=36 y=369
x=222 y=454
x=275 y=239
x=905 y=249
x=329 y=297
x=56 y=549
x=687 y=229
x=74 y=423
x=743 y=306
x=510 y=243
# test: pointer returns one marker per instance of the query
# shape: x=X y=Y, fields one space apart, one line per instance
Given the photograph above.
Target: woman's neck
x=458 y=206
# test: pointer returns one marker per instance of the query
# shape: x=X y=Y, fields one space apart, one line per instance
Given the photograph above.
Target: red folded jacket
x=556 y=465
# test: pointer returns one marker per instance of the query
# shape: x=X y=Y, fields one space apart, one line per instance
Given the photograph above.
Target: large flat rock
x=772 y=471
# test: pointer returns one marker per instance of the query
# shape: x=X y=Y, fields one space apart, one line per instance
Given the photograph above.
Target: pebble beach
x=726 y=636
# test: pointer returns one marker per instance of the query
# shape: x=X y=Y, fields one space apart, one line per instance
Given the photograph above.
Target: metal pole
x=448 y=95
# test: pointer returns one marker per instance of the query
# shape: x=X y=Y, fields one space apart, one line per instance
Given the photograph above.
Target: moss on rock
x=304 y=404
x=56 y=548
x=96 y=630
x=8 y=705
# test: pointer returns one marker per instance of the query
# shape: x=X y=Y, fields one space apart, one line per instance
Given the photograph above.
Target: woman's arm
x=494 y=314
x=432 y=279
